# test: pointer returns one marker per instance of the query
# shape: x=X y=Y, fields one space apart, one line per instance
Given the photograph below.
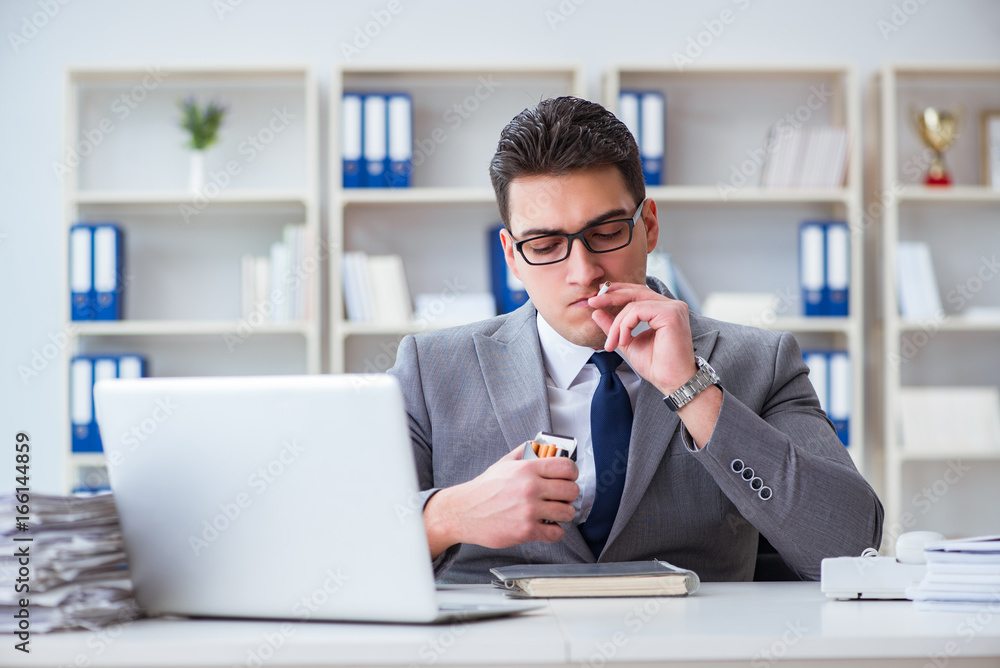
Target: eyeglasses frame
x=580 y=235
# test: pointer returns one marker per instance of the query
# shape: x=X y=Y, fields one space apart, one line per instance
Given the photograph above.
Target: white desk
x=729 y=624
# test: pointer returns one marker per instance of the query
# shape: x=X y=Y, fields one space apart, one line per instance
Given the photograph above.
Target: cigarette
x=604 y=288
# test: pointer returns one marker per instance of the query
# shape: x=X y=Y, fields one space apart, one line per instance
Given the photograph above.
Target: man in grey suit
x=705 y=436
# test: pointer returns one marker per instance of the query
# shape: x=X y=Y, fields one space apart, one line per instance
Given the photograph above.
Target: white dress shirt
x=571 y=381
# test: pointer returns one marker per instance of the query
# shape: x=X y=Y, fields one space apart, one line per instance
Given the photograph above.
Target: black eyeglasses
x=604 y=237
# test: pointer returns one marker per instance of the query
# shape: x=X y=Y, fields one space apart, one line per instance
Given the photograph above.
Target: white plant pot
x=196 y=177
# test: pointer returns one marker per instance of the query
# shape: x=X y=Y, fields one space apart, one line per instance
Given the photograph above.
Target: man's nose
x=581 y=265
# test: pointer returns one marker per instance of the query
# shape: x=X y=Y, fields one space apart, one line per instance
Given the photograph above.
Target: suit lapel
x=654 y=426
x=511 y=363
x=514 y=373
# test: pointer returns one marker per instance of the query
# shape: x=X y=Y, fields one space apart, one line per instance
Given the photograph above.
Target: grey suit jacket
x=475 y=392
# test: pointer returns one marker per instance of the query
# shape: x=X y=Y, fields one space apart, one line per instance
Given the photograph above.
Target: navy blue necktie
x=610 y=430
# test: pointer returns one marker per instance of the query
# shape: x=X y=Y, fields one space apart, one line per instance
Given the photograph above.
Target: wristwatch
x=702 y=379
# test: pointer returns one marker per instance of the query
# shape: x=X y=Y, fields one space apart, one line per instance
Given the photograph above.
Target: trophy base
x=942 y=180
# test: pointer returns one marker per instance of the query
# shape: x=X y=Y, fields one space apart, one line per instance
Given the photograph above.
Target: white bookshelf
x=439 y=224
x=958 y=222
x=745 y=237
x=182 y=249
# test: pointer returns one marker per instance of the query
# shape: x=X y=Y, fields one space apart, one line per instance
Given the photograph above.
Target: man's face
x=567 y=204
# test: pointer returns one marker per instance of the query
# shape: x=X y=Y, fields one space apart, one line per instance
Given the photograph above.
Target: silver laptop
x=289 y=497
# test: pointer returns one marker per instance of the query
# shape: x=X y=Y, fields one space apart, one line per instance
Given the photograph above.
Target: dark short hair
x=560 y=135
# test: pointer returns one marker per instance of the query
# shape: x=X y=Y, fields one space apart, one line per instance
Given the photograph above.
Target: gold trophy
x=938 y=130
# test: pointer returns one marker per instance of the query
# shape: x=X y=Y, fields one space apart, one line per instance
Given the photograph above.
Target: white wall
x=595 y=33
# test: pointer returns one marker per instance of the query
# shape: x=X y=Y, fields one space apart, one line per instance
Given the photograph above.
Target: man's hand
x=662 y=354
x=505 y=505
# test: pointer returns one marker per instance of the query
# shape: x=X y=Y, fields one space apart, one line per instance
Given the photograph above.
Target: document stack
x=825 y=268
x=277 y=287
x=85 y=370
x=377 y=140
x=830 y=373
x=96 y=271
x=805 y=157
x=916 y=283
x=644 y=114
x=376 y=289
x=962 y=576
x=67 y=569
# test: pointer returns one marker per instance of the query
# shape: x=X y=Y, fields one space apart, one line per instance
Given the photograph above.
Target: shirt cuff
x=443 y=562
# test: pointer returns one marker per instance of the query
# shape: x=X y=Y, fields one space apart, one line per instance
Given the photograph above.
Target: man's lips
x=584 y=301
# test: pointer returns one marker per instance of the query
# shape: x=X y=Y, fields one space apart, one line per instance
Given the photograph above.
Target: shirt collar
x=563 y=359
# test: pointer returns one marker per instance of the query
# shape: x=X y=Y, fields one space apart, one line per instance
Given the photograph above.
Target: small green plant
x=202 y=124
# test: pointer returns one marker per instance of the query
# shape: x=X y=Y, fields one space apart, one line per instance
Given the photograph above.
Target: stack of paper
x=962 y=576
x=277 y=287
x=805 y=157
x=375 y=289
x=67 y=566
x=943 y=419
x=916 y=283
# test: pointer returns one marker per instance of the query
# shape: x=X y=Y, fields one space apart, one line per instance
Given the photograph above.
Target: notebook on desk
x=287 y=497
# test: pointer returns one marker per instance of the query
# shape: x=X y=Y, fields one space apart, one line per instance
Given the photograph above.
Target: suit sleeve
x=819 y=505
x=407 y=371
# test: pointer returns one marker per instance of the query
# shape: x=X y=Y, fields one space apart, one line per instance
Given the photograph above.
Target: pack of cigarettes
x=545 y=444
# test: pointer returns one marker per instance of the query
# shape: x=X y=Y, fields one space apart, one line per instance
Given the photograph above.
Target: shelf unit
x=125 y=162
x=926 y=490
x=439 y=225
x=710 y=219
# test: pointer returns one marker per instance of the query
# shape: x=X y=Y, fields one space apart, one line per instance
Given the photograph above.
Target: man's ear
x=652 y=226
x=508 y=251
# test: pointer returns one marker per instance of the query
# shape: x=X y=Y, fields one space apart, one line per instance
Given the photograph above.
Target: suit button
x=747 y=474
x=764 y=493
x=737 y=465
x=756 y=483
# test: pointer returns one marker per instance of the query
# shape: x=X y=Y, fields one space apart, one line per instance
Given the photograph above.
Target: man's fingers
x=564 y=491
x=514 y=454
x=558 y=468
x=556 y=511
x=549 y=533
